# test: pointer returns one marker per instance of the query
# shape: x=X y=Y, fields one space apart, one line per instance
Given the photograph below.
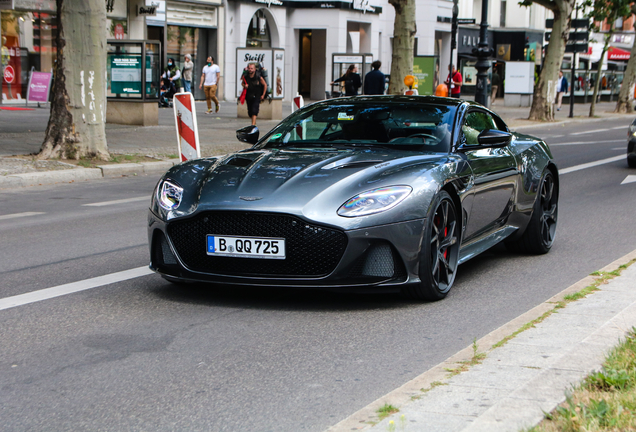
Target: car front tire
x=439 y=253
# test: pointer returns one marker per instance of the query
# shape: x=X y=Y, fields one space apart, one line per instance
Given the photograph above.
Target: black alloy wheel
x=541 y=230
x=440 y=251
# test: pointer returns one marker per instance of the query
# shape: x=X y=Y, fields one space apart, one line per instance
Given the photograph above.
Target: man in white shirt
x=210 y=80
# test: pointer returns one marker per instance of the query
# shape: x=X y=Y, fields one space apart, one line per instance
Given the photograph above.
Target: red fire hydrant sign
x=185 y=116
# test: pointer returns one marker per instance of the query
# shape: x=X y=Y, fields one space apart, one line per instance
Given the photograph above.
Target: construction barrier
x=185 y=116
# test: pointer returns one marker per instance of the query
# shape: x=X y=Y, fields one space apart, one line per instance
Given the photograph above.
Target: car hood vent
x=239 y=162
x=351 y=163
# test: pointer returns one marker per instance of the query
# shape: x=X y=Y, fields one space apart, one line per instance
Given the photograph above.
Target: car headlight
x=632 y=130
x=374 y=201
x=169 y=195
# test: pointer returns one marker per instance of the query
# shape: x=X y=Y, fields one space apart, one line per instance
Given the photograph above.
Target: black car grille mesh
x=311 y=250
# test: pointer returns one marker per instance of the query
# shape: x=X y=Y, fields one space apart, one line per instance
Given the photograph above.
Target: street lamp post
x=453 y=41
x=483 y=53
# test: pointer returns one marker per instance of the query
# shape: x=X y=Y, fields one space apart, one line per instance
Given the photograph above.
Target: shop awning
x=614 y=53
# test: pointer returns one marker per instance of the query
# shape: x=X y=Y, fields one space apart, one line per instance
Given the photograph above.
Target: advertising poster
x=39 y=87
x=279 y=74
x=426 y=70
x=263 y=57
x=125 y=73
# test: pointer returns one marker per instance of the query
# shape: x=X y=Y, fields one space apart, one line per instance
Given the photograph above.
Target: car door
x=494 y=172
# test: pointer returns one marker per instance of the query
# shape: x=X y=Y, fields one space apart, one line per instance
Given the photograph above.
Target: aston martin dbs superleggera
x=376 y=193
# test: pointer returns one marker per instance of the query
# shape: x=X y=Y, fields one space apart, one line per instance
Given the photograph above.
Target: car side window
x=475 y=123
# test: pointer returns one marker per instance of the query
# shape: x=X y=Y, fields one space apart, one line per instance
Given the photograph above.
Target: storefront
x=28 y=35
x=194 y=29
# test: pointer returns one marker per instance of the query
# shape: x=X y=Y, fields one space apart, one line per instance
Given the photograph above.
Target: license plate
x=246 y=247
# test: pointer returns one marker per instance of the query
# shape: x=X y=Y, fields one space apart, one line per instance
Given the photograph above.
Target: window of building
x=502 y=14
x=258 y=35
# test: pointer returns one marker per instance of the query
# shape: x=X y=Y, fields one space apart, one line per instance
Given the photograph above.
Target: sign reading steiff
x=185 y=116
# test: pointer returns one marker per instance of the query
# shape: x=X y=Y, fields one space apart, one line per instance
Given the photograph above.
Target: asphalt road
x=143 y=354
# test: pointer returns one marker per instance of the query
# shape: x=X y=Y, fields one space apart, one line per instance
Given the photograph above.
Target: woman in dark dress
x=351 y=80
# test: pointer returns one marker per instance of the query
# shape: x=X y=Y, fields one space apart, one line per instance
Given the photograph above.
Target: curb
x=364 y=418
x=576 y=119
x=83 y=174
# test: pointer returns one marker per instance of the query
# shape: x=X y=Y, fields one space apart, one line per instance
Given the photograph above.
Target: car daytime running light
x=169 y=195
x=374 y=201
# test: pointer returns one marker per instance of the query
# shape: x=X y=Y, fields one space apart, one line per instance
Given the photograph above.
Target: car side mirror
x=494 y=138
x=248 y=134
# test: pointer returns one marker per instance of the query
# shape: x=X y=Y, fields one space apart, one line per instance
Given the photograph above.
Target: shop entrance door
x=304 y=66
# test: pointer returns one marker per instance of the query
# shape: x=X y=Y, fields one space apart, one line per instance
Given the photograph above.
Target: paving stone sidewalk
x=516 y=383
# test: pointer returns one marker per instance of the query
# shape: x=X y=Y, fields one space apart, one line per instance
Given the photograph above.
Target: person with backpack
x=256 y=90
x=351 y=80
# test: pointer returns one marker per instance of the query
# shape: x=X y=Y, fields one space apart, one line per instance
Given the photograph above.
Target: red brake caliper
x=445 y=234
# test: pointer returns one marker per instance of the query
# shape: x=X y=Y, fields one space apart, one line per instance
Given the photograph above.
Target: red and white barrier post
x=185 y=117
x=298 y=102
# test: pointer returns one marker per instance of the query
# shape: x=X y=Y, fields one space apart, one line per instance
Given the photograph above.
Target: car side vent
x=240 y=162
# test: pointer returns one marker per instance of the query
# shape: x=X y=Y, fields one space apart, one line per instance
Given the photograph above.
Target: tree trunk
x=404 y=30
x=78 y=105
x=625 y=102
x=545 y=91
x=597 y=83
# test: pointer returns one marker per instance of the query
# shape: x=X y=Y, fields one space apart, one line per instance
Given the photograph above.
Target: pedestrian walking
x=256 y=89
x=495 y=86
x=188 y=67
x=454 y=82
x=352 y=81
x=562 y=87
x=374 y=80
x=210 y=80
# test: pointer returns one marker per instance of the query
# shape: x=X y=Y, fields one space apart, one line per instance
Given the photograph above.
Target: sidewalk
x=516 y=383
x=22 y=133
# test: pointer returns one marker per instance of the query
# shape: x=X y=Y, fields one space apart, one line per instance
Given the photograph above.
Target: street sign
x=466 y=21
x=577 y=23
x=576 y=48
x=9 y=74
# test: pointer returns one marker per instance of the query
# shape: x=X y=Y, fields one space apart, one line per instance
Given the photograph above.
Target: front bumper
x=380 y=256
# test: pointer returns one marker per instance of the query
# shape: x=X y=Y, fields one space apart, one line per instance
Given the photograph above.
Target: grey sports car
x=376 y=193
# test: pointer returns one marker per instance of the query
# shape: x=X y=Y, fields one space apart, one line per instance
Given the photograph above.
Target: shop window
x=28 y=43
x=258 y=35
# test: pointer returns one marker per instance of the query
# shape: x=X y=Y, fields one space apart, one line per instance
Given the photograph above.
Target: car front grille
x=311 y=250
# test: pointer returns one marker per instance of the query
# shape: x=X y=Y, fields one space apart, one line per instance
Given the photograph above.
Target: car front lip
x=403 y=237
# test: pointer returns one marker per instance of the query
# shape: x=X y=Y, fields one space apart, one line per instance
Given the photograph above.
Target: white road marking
x=585 y=142
x=594 y=131
x=591 y=164
x=629 y=179
x=556 y=136
x=121 y=201
x=60 y=290
x=17 y=215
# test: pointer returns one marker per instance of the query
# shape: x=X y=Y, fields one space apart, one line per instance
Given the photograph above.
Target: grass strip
x=604 y=401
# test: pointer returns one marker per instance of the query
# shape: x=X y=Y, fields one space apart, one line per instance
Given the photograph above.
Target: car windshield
x=406 y=125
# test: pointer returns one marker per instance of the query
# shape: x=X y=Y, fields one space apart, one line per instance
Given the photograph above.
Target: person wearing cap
x=188 y=67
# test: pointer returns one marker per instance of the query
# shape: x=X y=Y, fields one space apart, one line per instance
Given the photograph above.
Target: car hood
x=312 y=183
